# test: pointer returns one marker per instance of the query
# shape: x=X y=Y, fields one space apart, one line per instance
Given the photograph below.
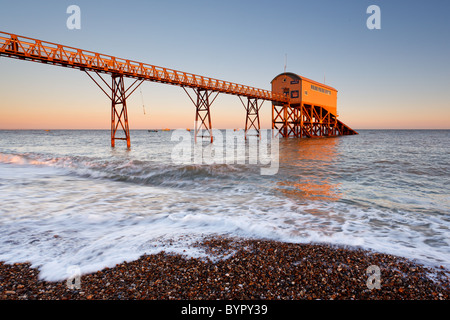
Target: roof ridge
x=304 y=78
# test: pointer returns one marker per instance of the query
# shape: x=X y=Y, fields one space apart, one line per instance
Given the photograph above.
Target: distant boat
x=152 y=130
x=188 y=129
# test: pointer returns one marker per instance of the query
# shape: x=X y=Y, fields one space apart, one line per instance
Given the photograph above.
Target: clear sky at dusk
x=395 y=77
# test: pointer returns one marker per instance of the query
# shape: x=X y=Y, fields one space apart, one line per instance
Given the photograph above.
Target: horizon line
x=165 y=129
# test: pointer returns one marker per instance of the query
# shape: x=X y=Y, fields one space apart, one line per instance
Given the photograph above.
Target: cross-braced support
x=119 y=103
x=319 y=122
x=306 y=121
x=252 y=118
x=285 y=119
x=203 y=115
x=118 y=97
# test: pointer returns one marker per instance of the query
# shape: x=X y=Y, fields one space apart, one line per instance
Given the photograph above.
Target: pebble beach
x=242 y=269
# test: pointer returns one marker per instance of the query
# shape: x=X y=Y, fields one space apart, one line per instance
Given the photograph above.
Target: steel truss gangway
x=93 y=63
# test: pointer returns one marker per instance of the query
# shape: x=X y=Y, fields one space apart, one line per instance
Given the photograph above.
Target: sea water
x=68 y=199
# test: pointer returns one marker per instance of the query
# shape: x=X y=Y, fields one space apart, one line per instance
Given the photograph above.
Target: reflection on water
x=306 y=164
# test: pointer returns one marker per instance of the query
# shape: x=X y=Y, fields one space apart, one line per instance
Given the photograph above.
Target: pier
x=293 y=115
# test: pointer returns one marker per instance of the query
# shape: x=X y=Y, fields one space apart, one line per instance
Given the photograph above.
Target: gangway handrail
x=15 y=46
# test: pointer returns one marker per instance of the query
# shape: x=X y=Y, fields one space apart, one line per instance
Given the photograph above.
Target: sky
x=396 y=77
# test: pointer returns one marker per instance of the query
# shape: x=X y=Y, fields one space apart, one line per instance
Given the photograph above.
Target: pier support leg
x=317 y=121
x=286 y=119
x=118 y=97
x=294 y=121
x=252 y=118
x=202 y=104
x=278 y=123
x=119 y=114
x=306 y=121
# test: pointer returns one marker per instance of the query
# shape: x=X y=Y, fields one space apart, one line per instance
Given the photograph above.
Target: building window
x=319 y=89
x=294 y=94
x=306 y=93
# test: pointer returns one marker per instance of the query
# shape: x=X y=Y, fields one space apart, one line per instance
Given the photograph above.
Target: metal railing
x=30 y=49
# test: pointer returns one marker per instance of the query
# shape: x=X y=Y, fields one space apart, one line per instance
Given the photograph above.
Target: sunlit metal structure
x=288 y=115
x=311 y=111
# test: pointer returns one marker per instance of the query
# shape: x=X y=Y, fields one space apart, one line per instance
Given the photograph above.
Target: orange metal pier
x=286 y=120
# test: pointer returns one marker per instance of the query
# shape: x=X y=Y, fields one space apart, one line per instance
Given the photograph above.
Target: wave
x=134 y=171
x=97 y=237
x=59 y=211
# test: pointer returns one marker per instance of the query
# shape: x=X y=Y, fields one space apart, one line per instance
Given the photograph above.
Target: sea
x=67 y=198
